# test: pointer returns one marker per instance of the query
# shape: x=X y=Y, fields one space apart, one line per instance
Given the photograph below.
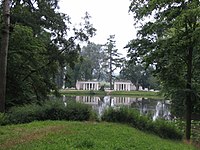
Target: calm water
x=153 y=108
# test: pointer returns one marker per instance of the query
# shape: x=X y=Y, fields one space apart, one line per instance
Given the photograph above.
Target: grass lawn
x=63 y=135
x=81 y=92
x=145 y=94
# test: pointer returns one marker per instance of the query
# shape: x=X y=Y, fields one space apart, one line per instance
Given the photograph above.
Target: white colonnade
x=87 y=85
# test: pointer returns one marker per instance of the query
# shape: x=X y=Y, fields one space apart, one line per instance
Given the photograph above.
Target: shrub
x=3 y=119
x=23 y=114
x=78 y=111
x=167 y=130
x=50 y=110
x=122 y=115
x=161 y=128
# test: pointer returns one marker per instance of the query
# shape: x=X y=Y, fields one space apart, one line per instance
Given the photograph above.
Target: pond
x=151 y=107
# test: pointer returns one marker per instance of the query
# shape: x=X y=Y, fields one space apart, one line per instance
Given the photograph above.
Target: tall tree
x=86 y=68
x=26 y=53
x=112 y=59
x=92 y=68
x=40 y=47
x=170 y=40
x=4 y=51
x=139 y=75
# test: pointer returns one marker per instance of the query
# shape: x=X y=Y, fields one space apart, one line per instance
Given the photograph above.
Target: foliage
x=50 y=110
x=92 y=69
x=59 y=135
x=112 y=59
x=139 y=75
x=79 y=112
x=170 y=41
x=40 y=48
x=26 y=54
x=86 y=68
x=3 y=118
x=195 y=132
x=132 y=117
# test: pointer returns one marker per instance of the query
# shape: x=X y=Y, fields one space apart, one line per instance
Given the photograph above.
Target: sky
x=108 y=17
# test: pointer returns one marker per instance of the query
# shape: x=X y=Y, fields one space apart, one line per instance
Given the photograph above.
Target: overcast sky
x=108 y=17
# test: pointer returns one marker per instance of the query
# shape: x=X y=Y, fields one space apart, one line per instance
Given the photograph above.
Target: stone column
x=86 y=86
x=129 y=87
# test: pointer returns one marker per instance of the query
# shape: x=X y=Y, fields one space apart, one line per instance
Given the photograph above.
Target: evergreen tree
x=112 y=59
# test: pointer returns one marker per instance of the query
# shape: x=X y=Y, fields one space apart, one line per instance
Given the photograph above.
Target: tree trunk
x=3 y=52
x=188 y=101
x=110 y=80
x=110 y=73
x=137 y=86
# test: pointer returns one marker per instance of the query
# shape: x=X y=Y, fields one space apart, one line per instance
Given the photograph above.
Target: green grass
x=63 y=135
x=145 y=94
x=82 y=92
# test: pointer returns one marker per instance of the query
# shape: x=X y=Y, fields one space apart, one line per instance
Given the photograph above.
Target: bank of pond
x=147 y=94
x=147 y=115
x=72 y=110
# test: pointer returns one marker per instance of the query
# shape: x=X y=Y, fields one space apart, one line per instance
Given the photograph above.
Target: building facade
x=87 y=85
x=124 y=86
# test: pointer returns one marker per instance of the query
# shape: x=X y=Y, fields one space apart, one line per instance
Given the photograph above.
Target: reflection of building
x=161 y=111
x=88 y=100
x=87 y=85
x=123 y=100
x=124 y=86
x=154 y=108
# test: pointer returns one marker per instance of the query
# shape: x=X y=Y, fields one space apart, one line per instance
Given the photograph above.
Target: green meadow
x=66 y=135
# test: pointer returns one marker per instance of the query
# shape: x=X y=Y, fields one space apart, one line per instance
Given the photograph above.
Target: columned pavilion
x=87 y=85
x=123 y=86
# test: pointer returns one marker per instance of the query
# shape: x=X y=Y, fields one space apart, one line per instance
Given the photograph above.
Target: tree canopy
x=112 y=59
x=170 y=40
x=39 y=47
x=139 y=75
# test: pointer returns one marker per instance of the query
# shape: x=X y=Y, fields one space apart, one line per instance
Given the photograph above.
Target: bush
x=167 y=130
x=23 y=114
x=50 y=110
x=161 y=128
x=3 y=119
x=79 y=112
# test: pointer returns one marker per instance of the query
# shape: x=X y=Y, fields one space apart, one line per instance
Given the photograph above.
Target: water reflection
x=153 y=108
